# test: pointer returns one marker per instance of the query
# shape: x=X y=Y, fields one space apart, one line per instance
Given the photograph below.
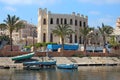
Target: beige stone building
x=23 y=36
x=116 y=31
x=47 y=21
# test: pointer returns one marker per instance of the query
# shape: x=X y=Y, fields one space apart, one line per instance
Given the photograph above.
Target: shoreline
x=6 y=62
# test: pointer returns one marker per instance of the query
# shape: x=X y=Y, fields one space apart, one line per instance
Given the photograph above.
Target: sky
x=98 y=11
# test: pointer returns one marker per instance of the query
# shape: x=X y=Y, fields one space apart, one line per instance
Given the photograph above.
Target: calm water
x=83 y=73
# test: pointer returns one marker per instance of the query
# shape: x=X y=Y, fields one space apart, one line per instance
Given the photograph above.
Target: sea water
x=82 y=73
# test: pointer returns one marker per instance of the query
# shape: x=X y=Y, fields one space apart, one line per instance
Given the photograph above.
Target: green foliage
x=62 y=31
x=12 y=23
x=105 y=31
x=28 y=47
x=85 y=32
x=5 y=38
x=112 y=41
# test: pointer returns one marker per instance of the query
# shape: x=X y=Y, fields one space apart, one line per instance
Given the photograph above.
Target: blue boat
x=44 y=63
x=67 y=66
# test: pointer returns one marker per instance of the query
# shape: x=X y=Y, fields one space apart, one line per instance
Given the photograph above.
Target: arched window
x=61 y=21
x=44 y=21
x=84 y=24
x=57 y=21
x=71 y=22
x=75 y=38
x=65 y=21
x=80 y=40
x=80 y=23
x=44 y=37
x=51 y=37
x=75 y=22
x=70 y=38
x=51 y=21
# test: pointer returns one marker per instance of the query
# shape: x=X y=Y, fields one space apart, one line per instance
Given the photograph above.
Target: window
x=70 y=38
x=80 y=23
x=80 y=40
x=44 y=21
x=75 y=38
x=51 y=21
x=65 y=21
x=44 y=37
x=84 y=24
x=57 y=21
x=61 y=21
x=51 y=37
x=71 y=22
x=75 y=22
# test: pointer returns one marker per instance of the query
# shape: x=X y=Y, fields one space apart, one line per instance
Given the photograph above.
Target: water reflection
x=83 y=73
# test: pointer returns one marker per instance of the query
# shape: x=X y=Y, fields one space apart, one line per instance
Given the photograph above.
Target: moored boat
x=33 y=65
x=47 y=63
x=21 y=57
x=67 y=66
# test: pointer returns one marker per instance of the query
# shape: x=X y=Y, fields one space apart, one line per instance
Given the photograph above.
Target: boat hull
x=67 y=66
x=21 y=57
x=45 y=63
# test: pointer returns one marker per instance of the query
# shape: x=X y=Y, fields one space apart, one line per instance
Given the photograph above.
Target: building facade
x=24 y=36
x=47 y=21
x=116 y=31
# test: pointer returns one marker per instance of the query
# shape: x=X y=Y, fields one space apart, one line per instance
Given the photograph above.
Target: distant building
x=24 y=36
x=116 y=31
x=47 y=21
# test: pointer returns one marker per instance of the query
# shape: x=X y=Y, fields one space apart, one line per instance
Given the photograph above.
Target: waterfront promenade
x=87 y=61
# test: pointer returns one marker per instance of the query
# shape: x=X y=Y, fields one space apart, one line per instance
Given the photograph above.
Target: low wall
x=59 y=54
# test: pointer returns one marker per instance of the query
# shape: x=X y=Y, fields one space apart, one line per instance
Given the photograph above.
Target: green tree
x=62 y=31
x=85 y=33
x=5 y=38
x=12 y=23
x=105 y=31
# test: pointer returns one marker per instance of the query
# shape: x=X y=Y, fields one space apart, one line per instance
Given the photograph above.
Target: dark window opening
x=44 y=37
x=51 y=37
x=75 y=22
x=51 y=21
x=44 y=21
x=57 y=21
x=84 y=24
x=71 y=22
x=80 y=40
x=71 y=38
x=61 y=21
x=65 y=21
x=75 y=38
x=80 y=23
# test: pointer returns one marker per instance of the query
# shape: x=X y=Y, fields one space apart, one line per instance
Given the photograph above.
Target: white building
x=116 y=31
x=47 y=21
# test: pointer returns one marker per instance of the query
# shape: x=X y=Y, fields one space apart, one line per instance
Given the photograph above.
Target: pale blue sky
x=98 y=11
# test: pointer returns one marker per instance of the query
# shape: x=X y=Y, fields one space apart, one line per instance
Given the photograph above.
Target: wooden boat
x=67 y=66
x=44 y=63
x=21 y=57
x=35 y=65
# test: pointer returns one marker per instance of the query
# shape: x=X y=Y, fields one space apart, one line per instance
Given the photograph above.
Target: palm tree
x=12 y=23
x=85 y=33
x=105 y=32
x=62 y=31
